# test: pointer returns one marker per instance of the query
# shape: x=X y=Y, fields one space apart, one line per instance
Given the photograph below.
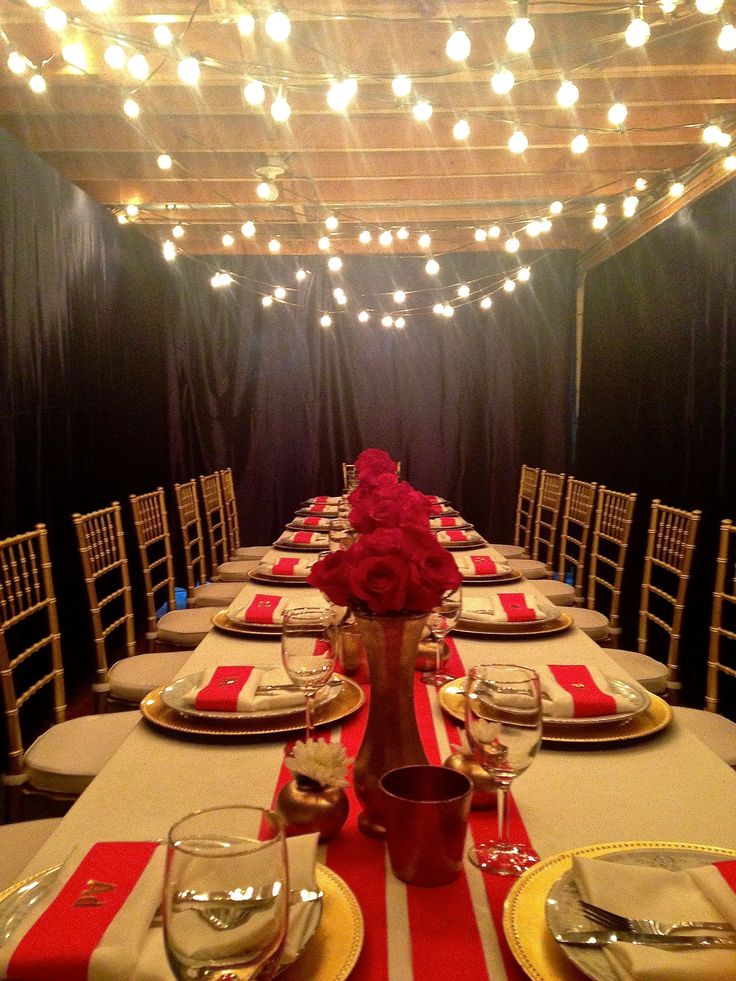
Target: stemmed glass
x=309 y=651
x=226 y=894
x=341 y=534
x=503 y=720
x=440 y=622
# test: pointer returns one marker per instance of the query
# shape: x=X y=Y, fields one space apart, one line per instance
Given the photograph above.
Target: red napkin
x=284 y=567
x=515 y=607
x=262 y=608
x=321 y=499
x=317 y=508
x=588 y=698
x=221 y=694
x=303 y=537
x=448 y=522
x=312 y=522
x=484 y=565
x=457 y=536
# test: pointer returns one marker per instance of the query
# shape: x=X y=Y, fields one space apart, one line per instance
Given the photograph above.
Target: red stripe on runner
x=728 y=871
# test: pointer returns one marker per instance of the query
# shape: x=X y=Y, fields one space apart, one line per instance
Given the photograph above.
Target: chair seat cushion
x=19 y=843
x=591 y=622
x=217 y=594
x=186 y=628
x=250 y=552
x=558 y=593
x=68 y=756
x=132 y=678
x=651 y=674
x=510 y=551
x=530 y=568
x=236 y=571
x=717 y=732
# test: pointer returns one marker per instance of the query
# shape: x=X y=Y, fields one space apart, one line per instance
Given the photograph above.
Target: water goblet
x=341 y=534
x=309 y=651
x=226 y=895
x=503 y=720
x=440 y=622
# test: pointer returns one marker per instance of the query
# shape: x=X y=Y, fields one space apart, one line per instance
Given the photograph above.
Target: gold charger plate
x=656 y=717
x=525 y=630
x=524 y=922
x=154 y=711
x=497 y=580
x=267 y=577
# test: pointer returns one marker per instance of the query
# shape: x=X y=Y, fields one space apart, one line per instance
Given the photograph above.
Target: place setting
x=287 y=571
x=459 y=538
x=511 y=614
x=448 y=522
x=302 y=541
x=484 y=568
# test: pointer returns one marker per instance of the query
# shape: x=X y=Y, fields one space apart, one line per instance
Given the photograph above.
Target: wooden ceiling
x=375 y=167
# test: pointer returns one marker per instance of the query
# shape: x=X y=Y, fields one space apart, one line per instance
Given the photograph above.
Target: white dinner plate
x=474 y=540
x=321 y=545
x=635 y=695
x=173 y=696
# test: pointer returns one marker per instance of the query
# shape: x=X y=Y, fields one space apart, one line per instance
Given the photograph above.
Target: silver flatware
x=226 y=910
x=614 y=921
x=274 y=689
x=604 y=938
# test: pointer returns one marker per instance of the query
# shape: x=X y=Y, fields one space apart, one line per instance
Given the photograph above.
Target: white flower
x=325 y=763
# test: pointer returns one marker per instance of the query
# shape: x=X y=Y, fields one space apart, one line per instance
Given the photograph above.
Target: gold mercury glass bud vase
x=306 y=806
x=484 y=786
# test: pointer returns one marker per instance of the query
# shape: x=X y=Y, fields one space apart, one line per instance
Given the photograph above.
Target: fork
x=613 y=921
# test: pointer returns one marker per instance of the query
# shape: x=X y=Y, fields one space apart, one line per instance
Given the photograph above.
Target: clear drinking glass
x=309 y=651
x=440 y=622
x=341 y=534
x=503 y=720
x=226 y=895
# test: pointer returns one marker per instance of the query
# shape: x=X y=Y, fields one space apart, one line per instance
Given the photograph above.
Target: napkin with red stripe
x=577 y=691
x=262 y=609
x=455 y=536
x=643 y=892
x=324 y=499
x=303 y=538
x=287 y=566
x=472 y=566
x=233 y=688
x=506 y=607
x=447 y=521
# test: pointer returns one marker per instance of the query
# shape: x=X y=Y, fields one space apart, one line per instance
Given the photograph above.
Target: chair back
x=214 y=521
x=670 y=545
x=577 y=518
x=614 y=514
x=105 y=567
x=525 y=502
x=232 y=525
x=151 y=525
x=547 y=517
x=190 y=523
x=723 y=619
x=30 y=646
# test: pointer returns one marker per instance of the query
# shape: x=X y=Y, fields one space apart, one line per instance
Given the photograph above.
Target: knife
x=603 y=938
x=267 y=689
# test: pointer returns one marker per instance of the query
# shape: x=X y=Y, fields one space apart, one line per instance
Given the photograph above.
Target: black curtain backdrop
x=658 y=395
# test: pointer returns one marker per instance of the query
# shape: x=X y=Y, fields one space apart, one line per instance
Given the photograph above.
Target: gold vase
x=306 y=806
x=484 y=786
x=391 y=737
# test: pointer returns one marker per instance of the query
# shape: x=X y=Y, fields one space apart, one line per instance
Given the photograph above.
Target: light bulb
x=365 y=237
x=301 y=275
x=274 y=246
x=189 y=71
x=708 y=7
x=424 y=241
x=246 y=24
x=461 y=129
x=448 y=310
x=341 y=299
x=727 y=38
x=534 y=229
x=458 y=45
x=567 y=94
x=339 y=95
x=600 y=208
x=402 y=233
x=97 y=6
x=640 y=184
x=131 y=109
x=164 y=161
x=630 y=204
x=524 y=275
x=438 y=309
x=324 y=243
x=399 y=296
x=729 y=163
x=432 y=267
x=387 y=321
x=556 y=208
x=325 y=320
x=122 y=219
x=520 y=36
x=545 y=225
x=254 y=93
x=667 y=6
x=724 y=140
x=178 y=231
x=17 y=63
x=385 y=238
x=55 y=18
x=637 y=33
x=74 y=54
x=278 y=26
x=463 y=290
x=509 y=285
x=162 y=35
x=512 y=244
x=494 y=232
x=518 y=142
x=280 y=109
x=331 y=223
x=711 y=134
x=132 y=210
x=334 y=263
x=599 y=222
x=502 y=81
x=486 y=303
x=480 y=235
x=401 y=86
x=617 y=114
x=115 y=56
x=138 y=67
x=267 y=191
x=227 y=240
x=267 y=301
x=579 y=143
x=422 y=111
x=400 y=323
x=677 y=189
x=364 y=316
x=248 y=229
x=169 y=250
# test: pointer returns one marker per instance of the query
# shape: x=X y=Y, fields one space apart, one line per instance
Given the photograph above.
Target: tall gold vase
x=391 y=736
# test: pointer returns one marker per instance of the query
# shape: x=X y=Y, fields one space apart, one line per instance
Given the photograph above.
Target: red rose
x=331 y=576
x=380 y=582
x=374 y=459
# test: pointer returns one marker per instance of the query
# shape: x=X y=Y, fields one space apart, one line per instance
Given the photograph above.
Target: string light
x=401 y=86
x=385 y=238
x=438 y=309
x=221 y=279
x=432 y=267
x=254 y=93
x=301 y=275
x=115 y=57
x=677 y=189
x=177 y=231
x=324 y=243
x=402 y=233
x=486 y=303
x=512 y=244
x=448 y=310
x=617 y=114
x=55 y=19
x=712 y=133
x=520 y=36
x=422 y=111
x=334 y=263
x=387 y=321
x=340 y=297
x=169 y=250
x=424 y=241
x=364 y=316
x=667 y=6
x=274 y=246
x=494 y=232
x=164 y=161
x=248 y=229
x=162 y=35
x=189 y=71
x=97 y=6
x=599 y=222
x=524 y=274
x=600 y=208
x=545 y=225
x=630 y=204
x=640 y=184
x=246 y=24
x=727 y=38
x=131 y=109
x=729 y=163
x=502 y=81
x=480 y=235
x=341 y=93
x=638 y=31
x=400 y=323
x=534 y=229
x=267 y=301
x=399 y=296
x=458 y=45
x=461 y=130
x=509 y=285
x=132 y=210
x=579 y=143
x=227 y=240
x=278 y=26
x=74 y=54
x=138 y=67
x=365 y=237
x=463 y=291
x=518 y=142
x=17 y=63
x=567 y=94
x=325 y=320
x=331 y=223
x=280 y=108
x=37 y=84
x=556 y=208
x=708 y=7
x=122 y=219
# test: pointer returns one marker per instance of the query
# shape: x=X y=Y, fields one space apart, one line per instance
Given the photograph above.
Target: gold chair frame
x=215 y=521
x=230 y=508
x=723 y=595
x=190 y=524
x=614 y=516
x=525 y=507
x=151 y=525
x=547 y=517
x=577 y=518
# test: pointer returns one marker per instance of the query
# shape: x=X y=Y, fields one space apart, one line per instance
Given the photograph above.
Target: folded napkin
x=446 y=522
x=480 y=565
x=94 y=922
x=228 y=688
x=576 y=691
x=287 y=566
x=454 y=535
x=262 y=609
x=654 y=893
x=508 y=608
x=322 y=509
x=324 y=499
x=302 y=538
x=313 y=523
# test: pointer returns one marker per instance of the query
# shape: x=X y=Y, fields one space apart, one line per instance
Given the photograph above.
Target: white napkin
x=655 y=893
x=287 y=538
x=316 y=523
x=448 y=521
x=238 y=613
x=557 y=702
x=488 y=609
x=326 y=500
x=301 y=569
x=248 y=700
x=467 y=568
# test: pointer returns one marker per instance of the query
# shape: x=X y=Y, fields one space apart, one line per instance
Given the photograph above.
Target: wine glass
x=440 y=622
x=341 y=534
x=503 y=720
x=309 y=651
x=226 y=894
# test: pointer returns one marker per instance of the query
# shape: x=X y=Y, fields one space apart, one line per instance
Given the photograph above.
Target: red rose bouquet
x=388 y=504
x=372 y=464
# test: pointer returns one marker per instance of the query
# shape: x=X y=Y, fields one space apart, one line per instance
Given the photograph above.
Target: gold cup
x=426 y=813
x=351 y=648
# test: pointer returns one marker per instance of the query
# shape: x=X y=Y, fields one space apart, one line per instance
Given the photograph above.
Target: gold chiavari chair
x=67 y=754
x=238 y=552
x=524 y=520
x=614 y=515
x=577 y=518
x=546 y=522
x=223 y=569
x=180 y=628
x=713 y=729
x=670 y=545
x=102 y=552
x=199 y=591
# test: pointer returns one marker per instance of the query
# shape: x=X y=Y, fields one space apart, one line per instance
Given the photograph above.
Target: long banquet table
x=668 y=787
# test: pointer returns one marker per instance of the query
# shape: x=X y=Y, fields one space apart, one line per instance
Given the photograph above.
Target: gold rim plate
x=512 y=630
x=524 y=923
x=267 y=577
x=653 y=719
x=331 y=512
x=478 y=542
x=349 y=700
x=221 y=621
x=497 y=580
x=299 y=547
